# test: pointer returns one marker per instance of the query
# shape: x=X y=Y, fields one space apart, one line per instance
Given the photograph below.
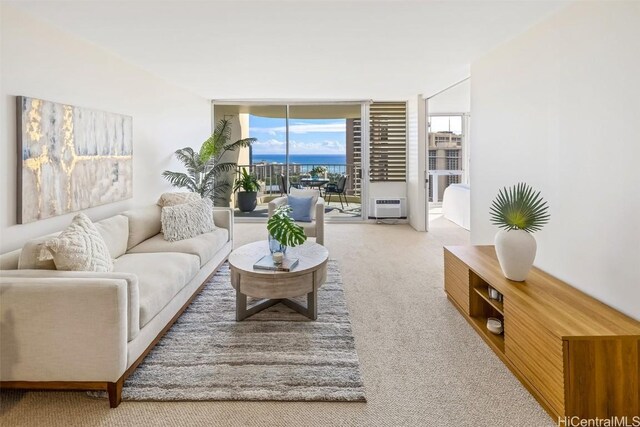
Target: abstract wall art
x=70 y=158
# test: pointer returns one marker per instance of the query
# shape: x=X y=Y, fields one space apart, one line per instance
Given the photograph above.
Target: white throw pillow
x=300 y=192
x=80 y=247
x=187 y=220
x=30 y=255
x=177 y=198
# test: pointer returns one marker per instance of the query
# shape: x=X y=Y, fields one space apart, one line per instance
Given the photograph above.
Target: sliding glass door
x=303 y=146
x=447 y=154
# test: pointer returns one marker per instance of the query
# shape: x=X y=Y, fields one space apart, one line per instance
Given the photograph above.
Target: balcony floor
x=331 y=210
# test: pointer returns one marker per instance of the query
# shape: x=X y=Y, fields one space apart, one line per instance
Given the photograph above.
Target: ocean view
x=315 y=159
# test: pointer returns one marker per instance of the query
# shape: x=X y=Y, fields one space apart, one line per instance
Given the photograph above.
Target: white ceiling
x=298 y=50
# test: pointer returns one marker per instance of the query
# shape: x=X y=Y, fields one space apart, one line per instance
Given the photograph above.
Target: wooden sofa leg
x=115 y=392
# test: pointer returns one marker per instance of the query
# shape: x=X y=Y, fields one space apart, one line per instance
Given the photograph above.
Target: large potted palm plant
x=518 y=211
x=247 y=186
x=205 y=169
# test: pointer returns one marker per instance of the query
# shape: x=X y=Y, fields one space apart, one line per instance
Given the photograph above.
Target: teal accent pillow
x=300 y=207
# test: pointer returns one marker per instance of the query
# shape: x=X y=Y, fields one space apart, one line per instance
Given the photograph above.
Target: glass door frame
x=364 y=136
x=464 y=158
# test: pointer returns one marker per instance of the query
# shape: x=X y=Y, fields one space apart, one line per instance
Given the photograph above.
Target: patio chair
x=284 y=188
x=337 y=188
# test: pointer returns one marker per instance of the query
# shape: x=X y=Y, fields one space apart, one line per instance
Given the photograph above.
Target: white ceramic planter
x=516 y=250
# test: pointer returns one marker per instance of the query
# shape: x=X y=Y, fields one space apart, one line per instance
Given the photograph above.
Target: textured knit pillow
x=187 y=220
x=177 y=198
x=80 y=247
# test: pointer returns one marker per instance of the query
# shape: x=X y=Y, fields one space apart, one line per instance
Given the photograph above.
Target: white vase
x=516 y=250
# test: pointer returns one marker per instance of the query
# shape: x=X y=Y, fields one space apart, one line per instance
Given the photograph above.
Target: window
x=388 y=141
x=453 y=162
x=432 y=160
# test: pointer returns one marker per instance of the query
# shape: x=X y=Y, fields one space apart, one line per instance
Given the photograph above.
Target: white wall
x=40 y=61
x=559 y=108
x=416 y=159
x=456 y=99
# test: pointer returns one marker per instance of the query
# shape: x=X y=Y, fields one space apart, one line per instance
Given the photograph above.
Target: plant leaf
x=519 y=208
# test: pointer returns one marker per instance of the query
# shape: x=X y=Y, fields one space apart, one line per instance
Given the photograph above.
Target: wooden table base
x=242 y=312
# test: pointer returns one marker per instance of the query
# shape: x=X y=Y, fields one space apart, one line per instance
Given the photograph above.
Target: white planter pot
x=516 y=250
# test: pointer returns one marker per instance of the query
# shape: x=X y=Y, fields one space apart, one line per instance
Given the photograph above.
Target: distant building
x=445 y=154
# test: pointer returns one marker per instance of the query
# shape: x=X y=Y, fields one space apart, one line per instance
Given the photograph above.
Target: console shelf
x=577 y=356
x=484 y=294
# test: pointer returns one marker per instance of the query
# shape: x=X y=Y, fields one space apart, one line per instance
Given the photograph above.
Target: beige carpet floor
x=422 y=363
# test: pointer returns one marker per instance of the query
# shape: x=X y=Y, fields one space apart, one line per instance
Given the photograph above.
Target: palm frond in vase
x=519 y=208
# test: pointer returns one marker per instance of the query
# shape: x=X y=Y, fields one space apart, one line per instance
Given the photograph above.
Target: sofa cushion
x=160 y=277
x=115 y=232
x=143 y=223
x=10 y=260
x=80 y=247
x=30 y=255
x=205 y=246
x=187 y=220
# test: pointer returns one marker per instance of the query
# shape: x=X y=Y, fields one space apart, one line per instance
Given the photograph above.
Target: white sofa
x=89 y=331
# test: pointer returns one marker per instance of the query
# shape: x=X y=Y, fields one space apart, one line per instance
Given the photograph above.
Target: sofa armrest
x=131 y=280
x=276 y=203
x=223 y=218
x=63 y=329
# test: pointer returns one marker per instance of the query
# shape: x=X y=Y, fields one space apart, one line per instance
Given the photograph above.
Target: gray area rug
x=276 y=354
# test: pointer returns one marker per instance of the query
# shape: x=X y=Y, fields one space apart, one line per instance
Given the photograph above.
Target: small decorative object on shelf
x=494 y=294
x=494 y=325
x=519 y=211
x=283 y=231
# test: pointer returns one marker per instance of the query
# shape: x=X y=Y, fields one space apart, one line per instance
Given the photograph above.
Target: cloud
x=304 y=128
x=274 y=146
x=269 y=146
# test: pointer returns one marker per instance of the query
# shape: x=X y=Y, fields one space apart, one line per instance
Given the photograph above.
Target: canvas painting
x=70 y=158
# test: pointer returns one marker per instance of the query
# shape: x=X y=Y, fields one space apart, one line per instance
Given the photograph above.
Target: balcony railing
x=270 y=173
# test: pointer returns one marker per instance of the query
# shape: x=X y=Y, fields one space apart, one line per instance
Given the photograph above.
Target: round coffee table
x=278 y=286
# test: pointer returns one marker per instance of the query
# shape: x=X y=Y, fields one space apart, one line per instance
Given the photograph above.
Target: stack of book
x=267 y=263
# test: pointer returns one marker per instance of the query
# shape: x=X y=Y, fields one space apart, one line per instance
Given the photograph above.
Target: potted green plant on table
x=283 y=231
x=318 y=171
x=206 y=168
x=247 y=186
x=518 y=211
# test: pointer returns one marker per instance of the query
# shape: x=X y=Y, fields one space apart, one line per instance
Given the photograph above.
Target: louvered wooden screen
x=388 y=141
x=354 y=154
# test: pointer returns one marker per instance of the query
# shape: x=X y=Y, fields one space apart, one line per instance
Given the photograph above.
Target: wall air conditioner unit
x=389 y=208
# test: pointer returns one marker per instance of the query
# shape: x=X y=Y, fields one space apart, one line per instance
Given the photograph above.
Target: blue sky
x=306 y=136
